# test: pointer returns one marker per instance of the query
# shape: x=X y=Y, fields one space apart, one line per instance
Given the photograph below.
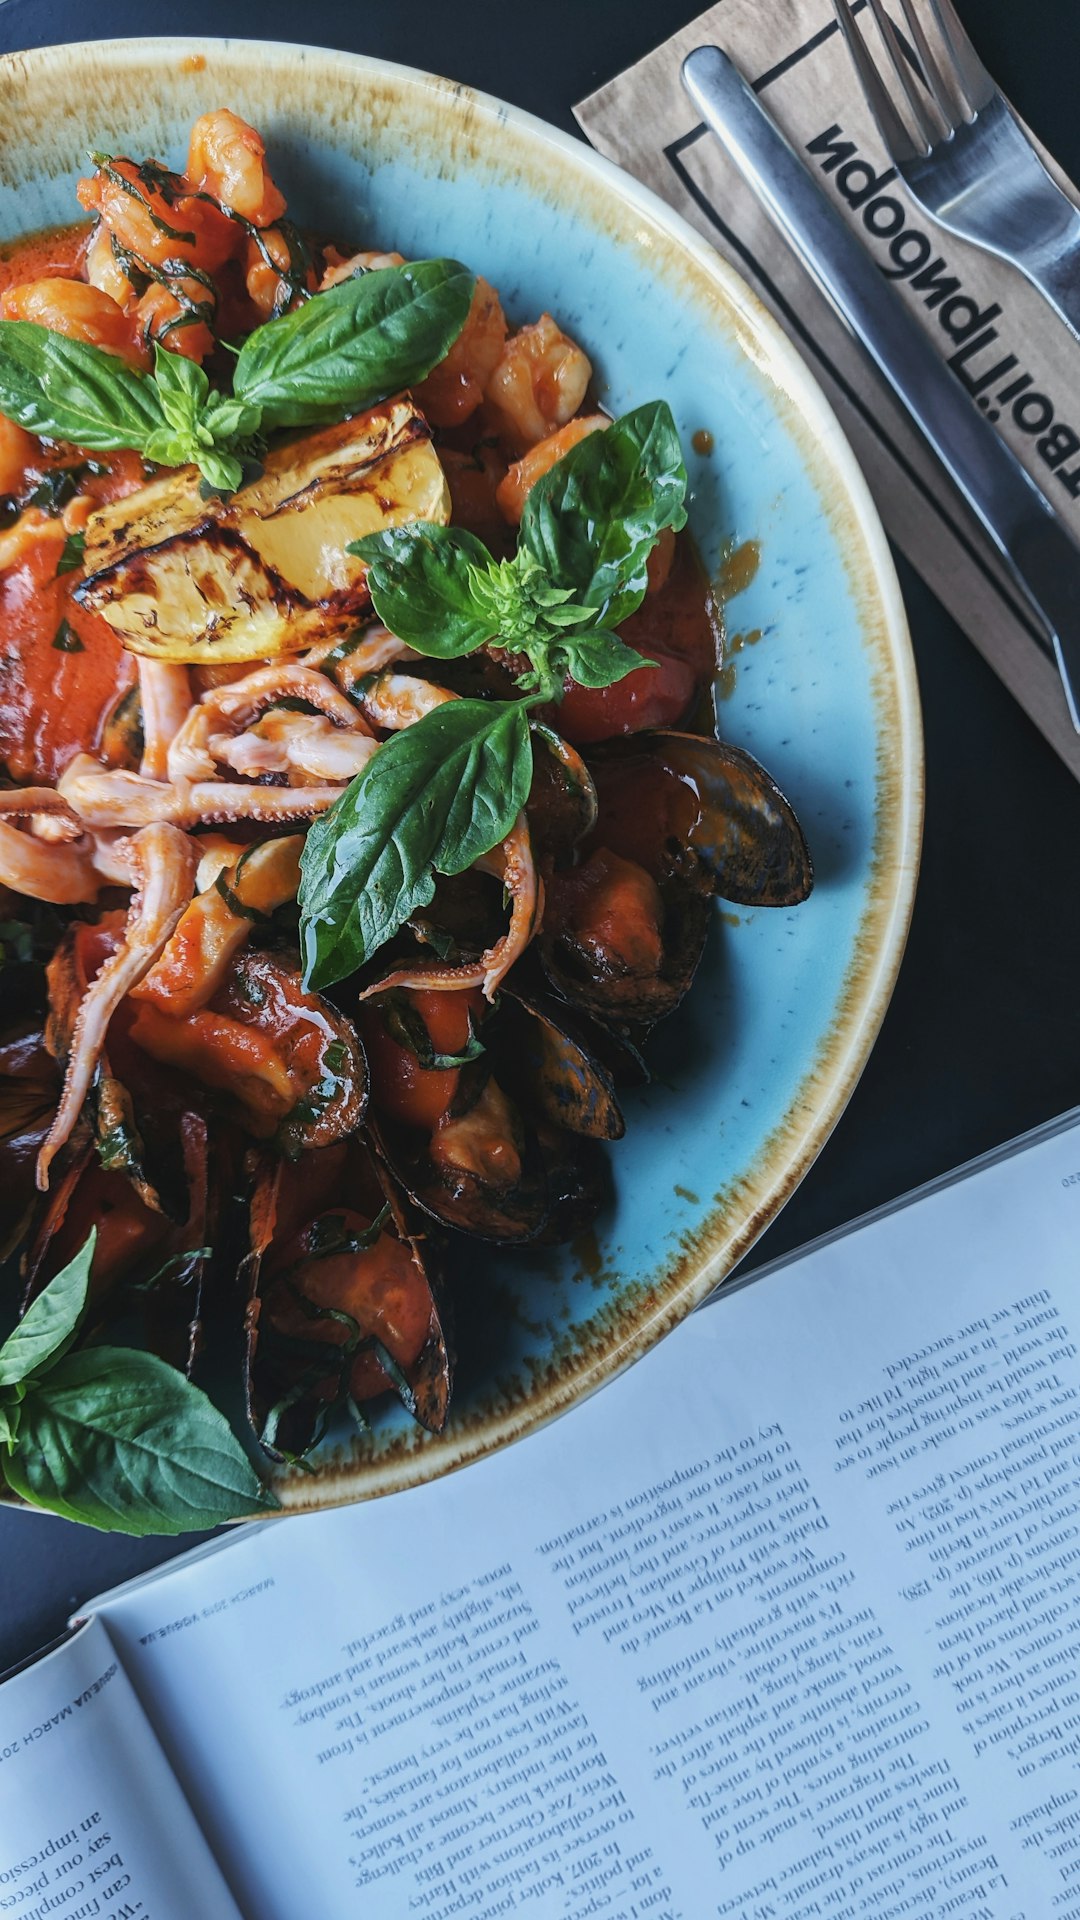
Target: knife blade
x=1036 y=547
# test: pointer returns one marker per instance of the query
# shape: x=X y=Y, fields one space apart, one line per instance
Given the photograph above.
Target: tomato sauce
x=53 y=253
x=61 y=670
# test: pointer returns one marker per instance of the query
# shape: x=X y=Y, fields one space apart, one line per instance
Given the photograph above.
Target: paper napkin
x=1015 y=356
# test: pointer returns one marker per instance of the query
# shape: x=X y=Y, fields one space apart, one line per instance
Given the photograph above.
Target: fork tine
x=972 y=75
x=928 y=132
x=898 y=141
x=949 y=96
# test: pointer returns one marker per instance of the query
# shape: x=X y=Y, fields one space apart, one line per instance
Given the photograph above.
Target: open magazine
x=785 y=1622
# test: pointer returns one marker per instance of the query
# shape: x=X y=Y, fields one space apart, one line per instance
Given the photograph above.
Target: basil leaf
x=221 y=472
x=421 y=579
x=593 y=519
x=433 y=799
x=597 y=658
x=227 y=418
x=71 y=553
x=182 y=388
x=351 y=346
x=67 y=390
x=48 y=1326
x=121 y=1441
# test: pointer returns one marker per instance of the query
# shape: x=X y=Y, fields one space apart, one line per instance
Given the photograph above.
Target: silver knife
x=1041 y=556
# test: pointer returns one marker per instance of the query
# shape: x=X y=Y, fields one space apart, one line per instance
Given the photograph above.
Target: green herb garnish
x=71 y=553
x=66 y=640
x=434 y=799
x=110 y=1436
x=339 y=352
x=588 y=528
x=442 y=793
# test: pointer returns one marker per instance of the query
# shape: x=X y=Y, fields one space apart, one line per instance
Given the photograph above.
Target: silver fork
x=962 y=154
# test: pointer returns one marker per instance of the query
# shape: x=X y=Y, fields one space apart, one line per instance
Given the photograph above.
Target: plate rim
x=851 y=1036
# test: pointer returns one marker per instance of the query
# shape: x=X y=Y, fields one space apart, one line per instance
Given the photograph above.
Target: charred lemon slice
x=186 y=578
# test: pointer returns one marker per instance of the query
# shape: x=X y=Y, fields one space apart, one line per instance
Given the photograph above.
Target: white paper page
x=783 y=1623
x=93 y=1825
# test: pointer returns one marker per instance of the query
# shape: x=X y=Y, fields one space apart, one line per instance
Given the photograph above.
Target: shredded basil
x=66 y=640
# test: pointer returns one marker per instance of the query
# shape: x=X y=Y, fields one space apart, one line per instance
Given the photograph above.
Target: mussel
x=29 y=1088
x=342 y=1304
x=281 y=1061
x=486 y=1116
x=681 y=819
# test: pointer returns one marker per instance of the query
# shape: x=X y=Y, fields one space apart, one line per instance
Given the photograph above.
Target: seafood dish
x=362 y=811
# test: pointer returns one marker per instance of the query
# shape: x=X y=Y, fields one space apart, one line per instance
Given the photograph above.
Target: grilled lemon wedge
x=183 y=578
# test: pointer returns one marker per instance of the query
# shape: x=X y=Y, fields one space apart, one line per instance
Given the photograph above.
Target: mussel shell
x=462 y=1200
x=579 y=1182
x=702 y=818
x=464 y=916
x=562 y=799
x=617 y=993
x=172 y=1307
x=121 y=743
x=29 y=1090
x=706 y=811
x=550 y=1064
x=273 y=1373
x=133 y=1116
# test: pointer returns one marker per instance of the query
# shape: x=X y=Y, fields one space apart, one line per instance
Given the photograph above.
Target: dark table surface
x=982 y=1039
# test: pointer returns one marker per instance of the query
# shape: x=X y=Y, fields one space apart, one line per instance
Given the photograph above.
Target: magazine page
x=93 y=1825
x=784 y=1622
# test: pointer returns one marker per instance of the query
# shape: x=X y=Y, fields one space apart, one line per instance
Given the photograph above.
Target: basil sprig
x=587 y=530
x=445 y=791
x=433 y=799
x=110 y=1436
x=341 y=351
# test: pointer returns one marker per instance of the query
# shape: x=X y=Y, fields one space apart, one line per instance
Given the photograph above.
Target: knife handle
x=1033 y=543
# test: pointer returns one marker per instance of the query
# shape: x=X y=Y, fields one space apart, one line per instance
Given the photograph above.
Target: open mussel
x=29 y=1089
x=280 y=1061
x=681 y=819
x=485 y=1116
x=341 y=1304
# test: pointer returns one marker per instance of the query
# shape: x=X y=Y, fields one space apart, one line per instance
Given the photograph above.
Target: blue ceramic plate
x=752 y=1073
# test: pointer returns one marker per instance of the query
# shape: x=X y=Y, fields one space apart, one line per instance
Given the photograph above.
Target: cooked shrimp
x=227 y=158
x=77 y=310
x=103 y=270
x=339 y=268
x=162 y=872
x=179 y=316
x=513 y=863
x=153 y=215
x=522 y=477
x=165 y=698
x=273 y=278
x=538 y=384
x=455 y=388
